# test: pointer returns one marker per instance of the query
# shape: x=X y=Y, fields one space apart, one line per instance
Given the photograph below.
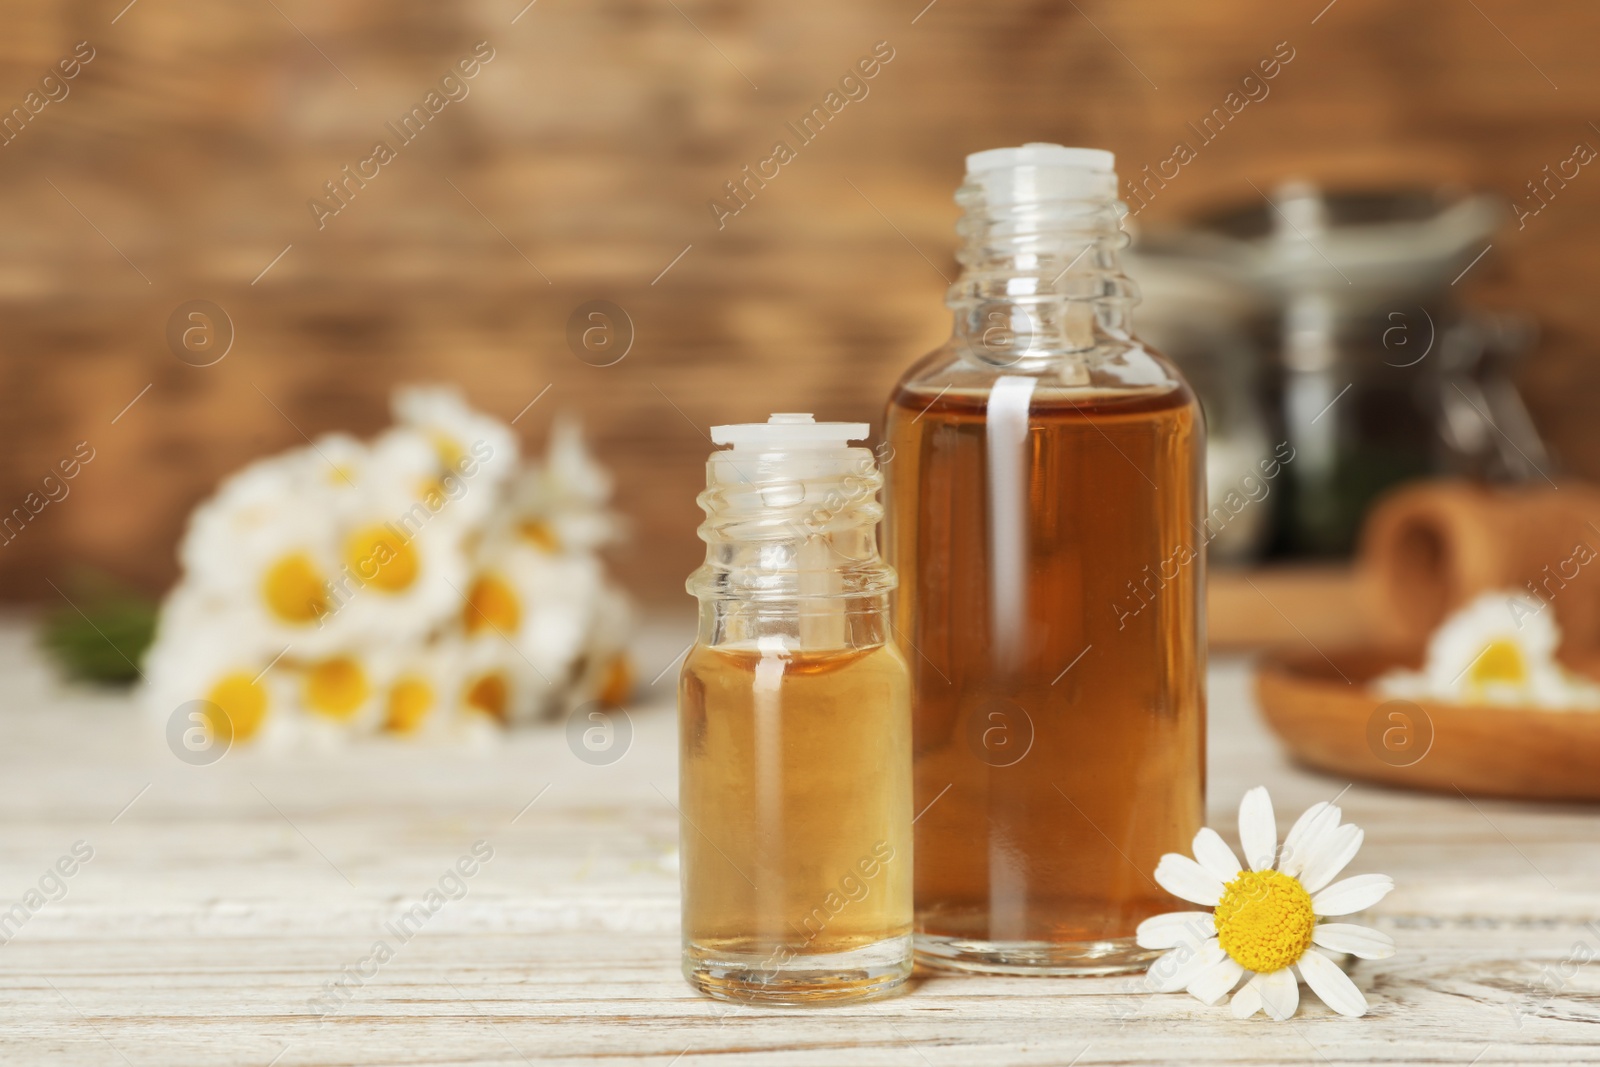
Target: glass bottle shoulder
x=1128 y=376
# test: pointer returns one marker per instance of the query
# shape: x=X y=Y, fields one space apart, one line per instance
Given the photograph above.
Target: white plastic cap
x=789 y=430
x=1040 y=171
x=1041 y=154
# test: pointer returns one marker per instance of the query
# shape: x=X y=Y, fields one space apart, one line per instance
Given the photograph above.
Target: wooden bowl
x=1344 y=727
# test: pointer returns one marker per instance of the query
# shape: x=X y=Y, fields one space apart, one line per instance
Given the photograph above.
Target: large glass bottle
x=795 y=727
x=1045 y=497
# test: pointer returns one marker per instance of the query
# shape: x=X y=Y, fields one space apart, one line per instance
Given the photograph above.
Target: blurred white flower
x=402 y=563
x=602 y=673
x=497 y=681
x=1499 y=649
x=560 y=505
x=212 y=666
x=346 y=690
x=540 y=602
x=423 y=585
x=463 y=441
x=266 y=546
x=606 y=674
x=422 y=697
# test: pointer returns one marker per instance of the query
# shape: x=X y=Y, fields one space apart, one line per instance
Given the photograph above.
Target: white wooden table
x=220 y=900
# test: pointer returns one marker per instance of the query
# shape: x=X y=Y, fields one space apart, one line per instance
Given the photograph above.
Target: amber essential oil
x=799 y=805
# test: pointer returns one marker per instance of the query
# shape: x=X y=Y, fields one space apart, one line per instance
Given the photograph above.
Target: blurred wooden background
x=579 y=168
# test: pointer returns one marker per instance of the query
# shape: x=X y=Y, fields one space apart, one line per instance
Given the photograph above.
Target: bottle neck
x=798 y=625
x=1041 y=277
x=791 y=551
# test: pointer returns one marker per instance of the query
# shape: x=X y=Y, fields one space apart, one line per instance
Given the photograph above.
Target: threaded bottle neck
x=791 y=515
x=1041 y=275
x=782 y=538
x=791 y=550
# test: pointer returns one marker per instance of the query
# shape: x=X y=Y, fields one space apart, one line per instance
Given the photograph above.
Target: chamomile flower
x=422 y=696
x=560 y=505
x=466 y=443
x=411 y=706
x=338 y=461
x=343 y=693
x=1267 y=921
x=542 y=604
x=401 y=561
x=1498 y=649
x=604 y=672
x=212 y=668
x=496 y=683
x=446 y=692
x=266 y=546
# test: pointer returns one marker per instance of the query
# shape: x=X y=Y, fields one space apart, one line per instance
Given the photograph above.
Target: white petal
x=1331 y=855
x=1176 y=969
x=1164 y=968
x=1361 y=941
x=1318 y=821
x=1280 y=994
x=1351 y=894
x=1176 y=928
x=1215 y=856
x=1247 y=1001
x=1304 y=822
x=1331 y=984
x=1258 y=833
x=1214 y=983
x=1183 y=877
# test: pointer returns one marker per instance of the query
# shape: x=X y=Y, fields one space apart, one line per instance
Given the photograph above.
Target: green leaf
x=102 y=634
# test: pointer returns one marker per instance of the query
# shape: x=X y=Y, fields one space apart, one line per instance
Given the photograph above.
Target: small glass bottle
x=1045 y=502
x=795 y=728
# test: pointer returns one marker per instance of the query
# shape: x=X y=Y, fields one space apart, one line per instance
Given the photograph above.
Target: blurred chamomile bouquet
x=425 y=582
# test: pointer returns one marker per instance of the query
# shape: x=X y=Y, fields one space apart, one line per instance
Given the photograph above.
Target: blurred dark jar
x=1344 y=347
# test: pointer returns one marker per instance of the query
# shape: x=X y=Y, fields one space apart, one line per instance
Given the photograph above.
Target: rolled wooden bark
x=1429 y=547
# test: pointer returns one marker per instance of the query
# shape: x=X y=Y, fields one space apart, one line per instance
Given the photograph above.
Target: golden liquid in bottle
x=1061 y=752
x=795 y=792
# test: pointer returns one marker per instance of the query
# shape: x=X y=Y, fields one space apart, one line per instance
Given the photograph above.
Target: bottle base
x=876 y=970
x=1120 y=955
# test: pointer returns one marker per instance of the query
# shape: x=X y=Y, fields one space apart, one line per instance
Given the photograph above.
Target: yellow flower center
x=539 y=535
x=1500 y=662
x=410 y=700
x=1265 y=920
x=448 y=449
x=491 y=604
x=242 y=702
x=490 y=695
x=336 y=688
x=616 y=684
x=431 y=492
x=382 y=557
x=293 y=590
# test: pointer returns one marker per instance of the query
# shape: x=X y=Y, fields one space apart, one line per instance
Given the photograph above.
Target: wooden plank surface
x=221 y=899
